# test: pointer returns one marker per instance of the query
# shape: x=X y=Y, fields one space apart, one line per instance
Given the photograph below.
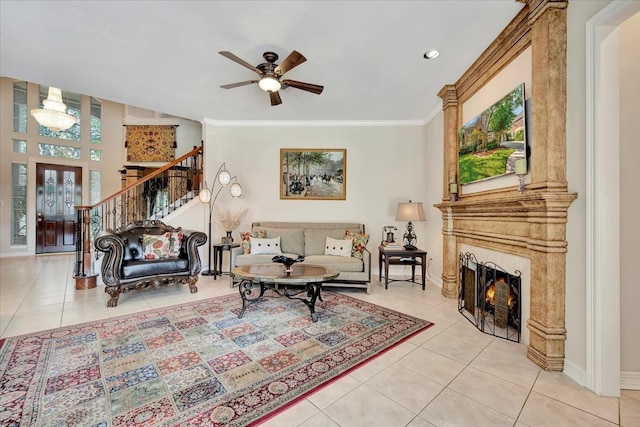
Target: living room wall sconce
x=53 y=114
x=410 y=212
x=521 y=171
x=206 y=197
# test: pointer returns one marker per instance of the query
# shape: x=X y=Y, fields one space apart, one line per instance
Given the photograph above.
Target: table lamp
x=410 y=212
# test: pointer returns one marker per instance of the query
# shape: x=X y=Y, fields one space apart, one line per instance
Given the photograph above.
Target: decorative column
x=449 y=246
x=548 y=23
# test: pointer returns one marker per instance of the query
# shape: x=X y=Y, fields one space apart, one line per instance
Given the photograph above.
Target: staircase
x=153 y=197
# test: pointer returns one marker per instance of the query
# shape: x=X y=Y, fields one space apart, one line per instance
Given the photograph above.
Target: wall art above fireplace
x=490 y=298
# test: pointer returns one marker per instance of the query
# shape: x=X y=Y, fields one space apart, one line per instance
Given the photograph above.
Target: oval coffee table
x=271 y=276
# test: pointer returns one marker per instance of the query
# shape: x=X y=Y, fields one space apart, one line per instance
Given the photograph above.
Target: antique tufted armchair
x=146 y=254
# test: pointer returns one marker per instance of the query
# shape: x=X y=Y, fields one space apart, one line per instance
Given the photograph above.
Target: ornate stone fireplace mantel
x=532 y=224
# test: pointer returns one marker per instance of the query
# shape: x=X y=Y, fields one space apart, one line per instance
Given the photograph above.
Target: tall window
x=18 y=204
x=96 y=121
x=20 y=107
x=95 y=186
x=19 y=146
x=63 y=151
x=73 y=102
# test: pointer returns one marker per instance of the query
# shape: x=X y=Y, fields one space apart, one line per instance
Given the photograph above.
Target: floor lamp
x=205 y=196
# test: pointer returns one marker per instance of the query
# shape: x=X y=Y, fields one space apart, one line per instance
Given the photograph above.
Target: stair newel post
x=83 y=273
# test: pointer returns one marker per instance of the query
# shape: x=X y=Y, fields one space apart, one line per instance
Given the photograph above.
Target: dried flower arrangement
x=227 y=221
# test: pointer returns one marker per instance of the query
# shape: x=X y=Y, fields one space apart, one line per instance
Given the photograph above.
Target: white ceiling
x=163 y=55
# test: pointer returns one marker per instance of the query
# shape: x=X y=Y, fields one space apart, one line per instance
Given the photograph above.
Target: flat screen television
x=491 y=142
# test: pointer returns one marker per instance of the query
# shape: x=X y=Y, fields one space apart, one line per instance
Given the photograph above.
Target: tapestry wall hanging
x=151 y=143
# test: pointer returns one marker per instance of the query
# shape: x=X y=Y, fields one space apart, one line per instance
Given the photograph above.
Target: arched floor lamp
x=205 y=196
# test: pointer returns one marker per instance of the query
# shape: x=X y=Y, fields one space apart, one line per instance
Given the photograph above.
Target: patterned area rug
x=192 y=364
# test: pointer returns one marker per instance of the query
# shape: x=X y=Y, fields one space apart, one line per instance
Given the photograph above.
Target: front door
x=58 y=191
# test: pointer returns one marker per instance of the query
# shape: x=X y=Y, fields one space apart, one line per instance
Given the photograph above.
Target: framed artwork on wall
x=313 y=173
x=491 y=143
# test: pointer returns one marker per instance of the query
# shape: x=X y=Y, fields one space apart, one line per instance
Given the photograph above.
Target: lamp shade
x=224 y=177
x=53 y=115
x=269 y=84
x=410 y=212
x=205 y=194
x=235 y=190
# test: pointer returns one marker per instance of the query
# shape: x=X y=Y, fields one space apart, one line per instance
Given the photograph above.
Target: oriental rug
x=192 y=364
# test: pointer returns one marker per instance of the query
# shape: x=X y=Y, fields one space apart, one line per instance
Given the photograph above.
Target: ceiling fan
x=270 y=74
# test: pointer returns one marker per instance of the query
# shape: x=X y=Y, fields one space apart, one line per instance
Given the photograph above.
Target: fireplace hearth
x=490 y=298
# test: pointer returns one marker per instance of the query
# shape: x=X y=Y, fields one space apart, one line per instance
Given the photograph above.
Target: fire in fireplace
x=489 y=297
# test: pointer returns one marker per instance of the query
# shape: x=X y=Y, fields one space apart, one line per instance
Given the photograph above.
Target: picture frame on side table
x=313 y=173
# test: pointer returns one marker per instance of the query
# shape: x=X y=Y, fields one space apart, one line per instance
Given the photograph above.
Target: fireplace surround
x=533 y=224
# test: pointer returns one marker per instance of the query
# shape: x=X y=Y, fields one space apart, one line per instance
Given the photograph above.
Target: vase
x=228 y=238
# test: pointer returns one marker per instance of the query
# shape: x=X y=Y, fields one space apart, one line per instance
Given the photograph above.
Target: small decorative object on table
x=288 y=262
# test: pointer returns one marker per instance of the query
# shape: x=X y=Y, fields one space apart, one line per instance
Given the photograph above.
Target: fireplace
x=490 y=297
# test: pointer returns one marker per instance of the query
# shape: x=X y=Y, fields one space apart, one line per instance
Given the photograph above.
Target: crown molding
x=312 y=123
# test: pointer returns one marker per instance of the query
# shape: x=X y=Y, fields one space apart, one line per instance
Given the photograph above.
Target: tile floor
x=449 y=375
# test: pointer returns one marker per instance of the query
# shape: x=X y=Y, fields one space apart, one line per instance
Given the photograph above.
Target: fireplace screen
x=489 y=297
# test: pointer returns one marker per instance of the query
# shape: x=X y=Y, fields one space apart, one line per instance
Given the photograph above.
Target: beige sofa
x=308 y=239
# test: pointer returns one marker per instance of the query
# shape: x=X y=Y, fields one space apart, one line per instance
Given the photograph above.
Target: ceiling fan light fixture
x=269 y=84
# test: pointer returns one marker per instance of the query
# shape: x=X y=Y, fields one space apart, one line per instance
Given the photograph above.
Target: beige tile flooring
x=449 y=375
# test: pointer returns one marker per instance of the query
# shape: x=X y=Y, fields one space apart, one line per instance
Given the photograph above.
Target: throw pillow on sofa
x=338 y=247
x=265 y=246
x=246 y=239
x=359 y=243
x=158 y=246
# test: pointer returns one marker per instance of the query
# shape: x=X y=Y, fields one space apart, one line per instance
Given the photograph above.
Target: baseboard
x=630 y=380
x=575 y=372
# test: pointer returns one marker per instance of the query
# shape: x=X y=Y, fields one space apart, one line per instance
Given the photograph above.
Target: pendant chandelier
x=54 y=115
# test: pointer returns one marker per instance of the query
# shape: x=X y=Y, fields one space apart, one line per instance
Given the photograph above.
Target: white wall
x=575 y=304
x=629 y=203
x=605 y=329
x=433 y=164
x=385 y=165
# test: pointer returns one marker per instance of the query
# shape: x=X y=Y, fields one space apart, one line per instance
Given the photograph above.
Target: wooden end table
x=218 y=249
x=401 y=256
x=270 y=276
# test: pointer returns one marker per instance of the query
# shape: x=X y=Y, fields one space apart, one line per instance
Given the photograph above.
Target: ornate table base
x=312 y=290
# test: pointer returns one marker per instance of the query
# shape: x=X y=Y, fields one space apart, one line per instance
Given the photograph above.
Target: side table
x=402 y=256
x=218 y=249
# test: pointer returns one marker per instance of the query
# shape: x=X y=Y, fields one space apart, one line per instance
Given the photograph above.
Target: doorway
x=58 y=191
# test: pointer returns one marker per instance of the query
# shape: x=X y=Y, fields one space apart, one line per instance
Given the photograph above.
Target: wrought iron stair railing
x=152 y=197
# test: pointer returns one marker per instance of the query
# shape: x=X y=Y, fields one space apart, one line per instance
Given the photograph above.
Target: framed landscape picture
x=313 y=173
x=490 y=144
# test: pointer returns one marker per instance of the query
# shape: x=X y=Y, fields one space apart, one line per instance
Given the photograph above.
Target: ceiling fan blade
x=317 y=89
x=232 y=85
x=242 y=62
x=294 y=59
x=275 y=98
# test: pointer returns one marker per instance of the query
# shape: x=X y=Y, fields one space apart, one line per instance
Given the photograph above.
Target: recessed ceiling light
x=431 y=54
